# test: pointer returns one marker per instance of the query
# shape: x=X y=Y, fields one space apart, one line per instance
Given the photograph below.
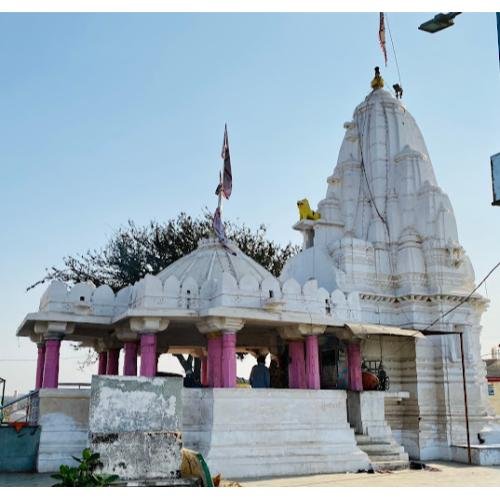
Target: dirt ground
x=438 y=474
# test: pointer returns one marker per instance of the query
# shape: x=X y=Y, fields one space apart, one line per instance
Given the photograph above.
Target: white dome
x=210 y=260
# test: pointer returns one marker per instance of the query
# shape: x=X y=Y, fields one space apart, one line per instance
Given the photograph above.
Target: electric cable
x=464 y=300
x=393 y=49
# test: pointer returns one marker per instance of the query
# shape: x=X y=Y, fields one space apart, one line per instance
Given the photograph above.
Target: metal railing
x=30 y=405
x=78 y=385
x=2 y=382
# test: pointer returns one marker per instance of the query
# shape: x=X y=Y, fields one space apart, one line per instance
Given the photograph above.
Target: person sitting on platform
x=259 y=376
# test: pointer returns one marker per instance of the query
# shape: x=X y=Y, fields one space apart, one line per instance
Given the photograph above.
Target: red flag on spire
x=381 y=36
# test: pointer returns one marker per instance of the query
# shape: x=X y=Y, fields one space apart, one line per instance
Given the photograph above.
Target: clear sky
x=110 y=117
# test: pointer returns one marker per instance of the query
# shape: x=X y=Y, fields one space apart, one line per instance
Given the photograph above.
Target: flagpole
x=219 y=204
x=223 y=190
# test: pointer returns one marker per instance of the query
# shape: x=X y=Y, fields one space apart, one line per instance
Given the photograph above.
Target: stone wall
x=63 y=417
x=278 y=432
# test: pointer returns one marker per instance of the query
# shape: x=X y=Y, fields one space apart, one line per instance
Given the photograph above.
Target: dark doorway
x=333 y=363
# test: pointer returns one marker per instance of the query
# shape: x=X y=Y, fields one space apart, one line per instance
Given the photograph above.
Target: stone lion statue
x=305 y=211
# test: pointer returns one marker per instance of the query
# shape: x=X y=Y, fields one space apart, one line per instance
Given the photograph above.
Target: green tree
x=134 y=251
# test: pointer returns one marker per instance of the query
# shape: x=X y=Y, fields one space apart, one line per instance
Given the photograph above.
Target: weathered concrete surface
x=63 y=417
x=257 y=433
x=124 y=404
x=144 y=455
x=481 y=454
x=135 y=425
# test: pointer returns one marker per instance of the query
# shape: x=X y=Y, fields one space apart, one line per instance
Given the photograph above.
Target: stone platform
x=481 y=454
x=245 y=433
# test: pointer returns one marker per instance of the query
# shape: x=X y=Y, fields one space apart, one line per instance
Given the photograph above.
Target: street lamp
x=495 y=178
x=439 y=22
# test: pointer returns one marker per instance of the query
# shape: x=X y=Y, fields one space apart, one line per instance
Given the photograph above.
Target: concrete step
x=391 y=465
x=395 y=457
x=375 y=449
x=361 y=439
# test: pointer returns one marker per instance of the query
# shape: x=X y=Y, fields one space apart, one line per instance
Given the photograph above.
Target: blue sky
x=110 y=117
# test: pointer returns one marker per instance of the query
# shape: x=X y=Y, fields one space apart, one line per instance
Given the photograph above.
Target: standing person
x=259 y=376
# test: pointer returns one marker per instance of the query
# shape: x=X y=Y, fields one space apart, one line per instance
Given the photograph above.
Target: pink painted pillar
x=312 y=362
x=149 y=358
x=297 y=368
x=228 y=359
x=215 y=361
x=130 y=361
x=102 y=364
x=204 y=371
x=40 y=364
x=51 y=366
x=112 y=364
x=354 y=367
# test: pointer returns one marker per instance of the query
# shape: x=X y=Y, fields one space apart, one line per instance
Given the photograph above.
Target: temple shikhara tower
x=381 y=290
x=387 y=241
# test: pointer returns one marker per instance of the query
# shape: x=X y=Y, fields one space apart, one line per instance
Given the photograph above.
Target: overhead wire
x=393 y=49
x=464 y=300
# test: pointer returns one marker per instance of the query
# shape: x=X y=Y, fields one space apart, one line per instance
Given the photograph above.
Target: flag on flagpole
x=381 y=36
x=218 y=226
x=227 y=176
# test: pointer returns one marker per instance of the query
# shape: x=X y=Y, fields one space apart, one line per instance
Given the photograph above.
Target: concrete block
x=135 y=424
x=482 y=454
x=126 y=404
x=139 y=455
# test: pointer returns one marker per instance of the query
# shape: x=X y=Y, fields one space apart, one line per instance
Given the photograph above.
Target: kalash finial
x=378 y=81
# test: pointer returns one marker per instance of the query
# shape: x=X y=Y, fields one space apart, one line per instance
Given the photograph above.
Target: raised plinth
x=63 y=417
x=481 y=454
x=245 y=433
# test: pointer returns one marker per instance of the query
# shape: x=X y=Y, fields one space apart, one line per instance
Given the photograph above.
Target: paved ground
x=25 y=479
x=441 y=474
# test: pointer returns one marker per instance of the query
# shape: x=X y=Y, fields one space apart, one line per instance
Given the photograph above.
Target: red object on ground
x=18 y=425
x=370 y=381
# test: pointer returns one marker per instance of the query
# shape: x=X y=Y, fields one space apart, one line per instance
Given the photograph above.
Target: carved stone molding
x=124 y=333
x=297 y=332
x=148 y=324
x=220 y=324
x=50 y=330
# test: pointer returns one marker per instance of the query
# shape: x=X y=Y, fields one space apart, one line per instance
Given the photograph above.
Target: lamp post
x=439 y=22
x=495 y=178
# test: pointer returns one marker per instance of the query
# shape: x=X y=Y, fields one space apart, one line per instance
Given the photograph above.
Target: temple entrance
x=333 y=363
